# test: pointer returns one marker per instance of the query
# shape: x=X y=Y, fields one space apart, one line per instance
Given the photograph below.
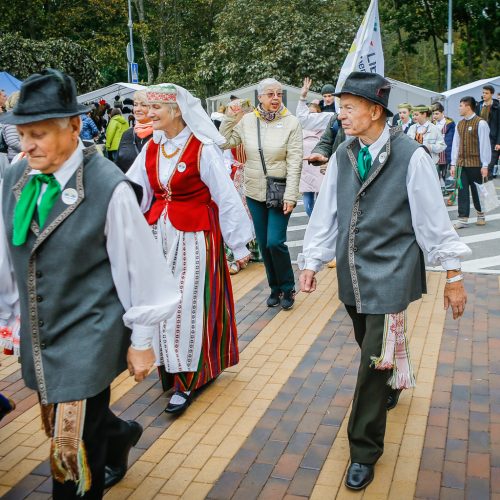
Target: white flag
x=366 y=52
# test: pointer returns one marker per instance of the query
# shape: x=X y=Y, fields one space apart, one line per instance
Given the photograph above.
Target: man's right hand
x=307 y=281
x=452 y=170
x=140 y=362
x=316 y=158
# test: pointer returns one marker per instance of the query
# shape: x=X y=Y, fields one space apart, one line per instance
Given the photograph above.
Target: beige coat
x=282 y=146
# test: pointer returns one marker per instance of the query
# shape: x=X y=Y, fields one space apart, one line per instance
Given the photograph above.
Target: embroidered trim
x=352 y=264
x=194 y=307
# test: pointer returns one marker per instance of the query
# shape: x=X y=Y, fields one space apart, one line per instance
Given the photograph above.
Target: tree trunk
x=139 y=5
x=434 y=43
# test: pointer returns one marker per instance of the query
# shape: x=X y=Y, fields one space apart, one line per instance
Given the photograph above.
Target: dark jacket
x=493 y=120
x=130 y=146
x=327 y=107
x=332 y=137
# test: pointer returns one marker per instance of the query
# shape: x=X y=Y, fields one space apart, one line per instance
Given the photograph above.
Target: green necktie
x=26 y=206
x=364 y=162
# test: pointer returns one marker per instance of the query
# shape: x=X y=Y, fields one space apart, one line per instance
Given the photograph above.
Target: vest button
x=41 y=323
x=38 y=274
x=356 y=231
x=355 y=249
x=363 y=193
x=39 y=298
x=360 y=213
x=43 y=345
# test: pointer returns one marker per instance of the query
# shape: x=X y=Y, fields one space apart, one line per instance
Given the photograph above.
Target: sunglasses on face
x=270 y=95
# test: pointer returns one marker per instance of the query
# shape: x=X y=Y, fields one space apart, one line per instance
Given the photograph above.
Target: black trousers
x=469 y=176
x=494 y=160
x=105 y=436
x=366 y=428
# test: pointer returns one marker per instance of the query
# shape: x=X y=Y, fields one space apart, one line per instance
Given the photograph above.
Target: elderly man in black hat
x=75 y=259
x=380 y=205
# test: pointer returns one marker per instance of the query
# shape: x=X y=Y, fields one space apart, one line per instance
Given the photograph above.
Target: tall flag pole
x=366 y=52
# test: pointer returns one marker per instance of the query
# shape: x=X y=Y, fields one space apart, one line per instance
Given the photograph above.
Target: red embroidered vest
x=186 y=198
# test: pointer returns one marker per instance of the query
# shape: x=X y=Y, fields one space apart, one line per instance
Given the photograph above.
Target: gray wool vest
x=380 y=266
x=73 y=340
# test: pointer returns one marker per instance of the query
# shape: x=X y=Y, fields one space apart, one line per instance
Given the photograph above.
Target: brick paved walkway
x=274 y=426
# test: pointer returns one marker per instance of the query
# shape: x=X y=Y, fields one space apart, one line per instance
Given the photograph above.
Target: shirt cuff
x=309 y=263
x=450 y=264
x=240 y=252
x=142 y=336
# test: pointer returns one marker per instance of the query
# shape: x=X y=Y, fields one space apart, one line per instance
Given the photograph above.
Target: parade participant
x=378 y=248
x=74 y=238
x=134 y=139
x=447 y=127
x=328 y=101
x=117 y=126
x=403 y=117
x=470 y=157
x=192 y=205
x=279 y=155
x=426 y=133
x=489 y=110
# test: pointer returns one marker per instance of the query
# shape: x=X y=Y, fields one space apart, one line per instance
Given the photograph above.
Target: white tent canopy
x=108 y=93
x=400 y=92
x=473 y=89
x=404 y=92
x=291 y=96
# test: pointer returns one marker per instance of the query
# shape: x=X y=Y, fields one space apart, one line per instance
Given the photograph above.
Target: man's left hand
x=484 y=171
x=455 y=297
x=288 y=207
x=140 y=362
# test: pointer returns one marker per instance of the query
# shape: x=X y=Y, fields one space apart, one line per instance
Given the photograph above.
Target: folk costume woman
x=192 y=205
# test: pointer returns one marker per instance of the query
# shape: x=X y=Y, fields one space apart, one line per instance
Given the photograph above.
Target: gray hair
x=140 y=96
x=63 y=122
x=266 y=83
x=11 y=101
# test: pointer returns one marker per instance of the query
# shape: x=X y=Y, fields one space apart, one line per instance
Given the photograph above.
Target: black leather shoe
x=177 y=409
x=115 y=473
x=288 y=300
x=274 y=299
x=393 y=398
x=359 y=476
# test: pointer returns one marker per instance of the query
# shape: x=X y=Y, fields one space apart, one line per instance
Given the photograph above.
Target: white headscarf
x=193 y=114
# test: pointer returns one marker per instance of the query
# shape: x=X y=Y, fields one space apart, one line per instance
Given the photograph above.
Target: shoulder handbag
x=275 y=186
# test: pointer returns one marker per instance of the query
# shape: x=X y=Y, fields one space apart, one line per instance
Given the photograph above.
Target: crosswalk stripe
x=476 y=238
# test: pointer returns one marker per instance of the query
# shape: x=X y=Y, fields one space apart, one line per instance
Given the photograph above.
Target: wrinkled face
x=487 y=95
x=271 y=98
x=356 y=114
x=437 y=115
x=328 y=99
x=48 y=145
x=141 y=109
x=404 y=114
x=163 y=116
x=419 y=117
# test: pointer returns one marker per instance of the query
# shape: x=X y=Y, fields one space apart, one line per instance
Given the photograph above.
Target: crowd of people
x=152 y=238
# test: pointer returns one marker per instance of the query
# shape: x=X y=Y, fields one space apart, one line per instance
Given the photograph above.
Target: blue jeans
x=270 y=228
x=309 y=201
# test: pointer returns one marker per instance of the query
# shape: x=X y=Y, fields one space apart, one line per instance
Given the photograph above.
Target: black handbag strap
x=260 y=148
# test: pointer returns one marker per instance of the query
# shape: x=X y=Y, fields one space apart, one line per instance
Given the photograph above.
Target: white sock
x=178 y=400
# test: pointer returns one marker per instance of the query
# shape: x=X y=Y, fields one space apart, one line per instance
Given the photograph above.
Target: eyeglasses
x=270 y=95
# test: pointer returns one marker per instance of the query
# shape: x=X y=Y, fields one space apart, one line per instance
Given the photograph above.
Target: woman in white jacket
x=425 y=132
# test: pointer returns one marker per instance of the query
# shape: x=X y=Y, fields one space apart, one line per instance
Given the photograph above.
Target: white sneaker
x=460 y=224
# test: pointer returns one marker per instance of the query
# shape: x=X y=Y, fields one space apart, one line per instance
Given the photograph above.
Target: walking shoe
x=359 y=476
x=461 y=223
x=393 y=399
x=288 y=300
x=481 y=221
x=116 y=472
x=274 y=299
x=178 y=402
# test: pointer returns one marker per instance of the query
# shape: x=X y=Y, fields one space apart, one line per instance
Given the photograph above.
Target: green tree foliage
x=23 y=57
x=286 y=39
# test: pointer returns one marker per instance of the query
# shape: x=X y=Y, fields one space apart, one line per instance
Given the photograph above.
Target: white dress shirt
x=312 y=121
x=148 y=297
x=433 y=229
x=483 y=132
x=236 y=227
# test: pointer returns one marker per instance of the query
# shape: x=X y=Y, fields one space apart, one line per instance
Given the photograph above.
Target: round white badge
x=181 y=167
x=69 y=196
x=470 y=129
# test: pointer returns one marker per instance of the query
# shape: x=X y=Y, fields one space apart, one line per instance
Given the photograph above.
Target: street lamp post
x=449 y=47
x=130 y=45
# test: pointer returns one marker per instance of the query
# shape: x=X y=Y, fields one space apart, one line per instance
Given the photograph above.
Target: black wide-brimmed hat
x=371 y=86
x=45 y=95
